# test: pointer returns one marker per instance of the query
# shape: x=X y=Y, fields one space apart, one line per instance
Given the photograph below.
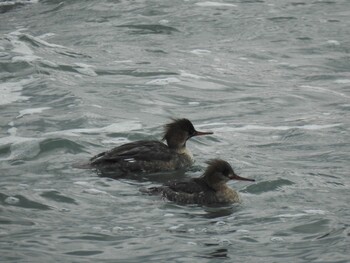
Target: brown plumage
x=209 y=189
x=150 y=156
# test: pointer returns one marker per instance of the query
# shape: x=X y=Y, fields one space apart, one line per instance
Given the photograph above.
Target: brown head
x=219 y=172
x=179 y=131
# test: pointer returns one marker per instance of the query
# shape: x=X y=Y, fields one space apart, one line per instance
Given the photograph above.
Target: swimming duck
x=208 y=189
x=151 y=156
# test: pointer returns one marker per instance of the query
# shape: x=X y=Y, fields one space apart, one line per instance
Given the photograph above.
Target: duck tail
x=82 y=165
x=151 y=190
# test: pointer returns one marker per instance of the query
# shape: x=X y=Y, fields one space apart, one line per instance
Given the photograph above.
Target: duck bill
x=199 y=133
x=236 y=177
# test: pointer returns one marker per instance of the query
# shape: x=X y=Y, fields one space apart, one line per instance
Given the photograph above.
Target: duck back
x=140 y=156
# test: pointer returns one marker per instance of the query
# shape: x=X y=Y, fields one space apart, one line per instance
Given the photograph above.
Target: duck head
x=179 y=131
x=219 y=172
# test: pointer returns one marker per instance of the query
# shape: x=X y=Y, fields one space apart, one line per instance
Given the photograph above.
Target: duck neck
x=218 y=186
x=215 y=185
x=185 y=151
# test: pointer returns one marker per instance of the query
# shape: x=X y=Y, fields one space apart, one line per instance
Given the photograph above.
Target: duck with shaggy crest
x=151 y=156
x=208 y=189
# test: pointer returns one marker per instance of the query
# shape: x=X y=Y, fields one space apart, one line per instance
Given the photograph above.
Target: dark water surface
x=270 y=78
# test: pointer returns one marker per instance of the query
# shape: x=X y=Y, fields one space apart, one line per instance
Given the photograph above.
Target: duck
x=209 y=189
x=151 y=156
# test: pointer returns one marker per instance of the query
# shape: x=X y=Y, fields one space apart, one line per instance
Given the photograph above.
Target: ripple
x=162 y=82
x=84 y=252
x=58 y=197
x=150 y=29
x=267 y=186
x=12 y=91
x=11 y=200
x=24 y=148
x=15 y=221
x=90 y=237
x=214 y=4
x=133 y=72
x=32 y=111
x=122 y=126
x=23 y=202
x=94 y=191
x=282 y=18
x=221 y=253
x=60 y=143
x=36 y=41
x=312 y=228
x=8 y=5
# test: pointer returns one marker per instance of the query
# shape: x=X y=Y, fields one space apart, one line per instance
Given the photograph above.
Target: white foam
x=130 y=160
x=7 y=3
x=11 y=92
x=46 y=35
x=97 y=106
x=189 y=75
x=214 y=4
x=342 y=81
x=200 y=51
x=164 y=81
x=156 y=102
x=333 y=42
x=280 y=128
x=13 y=139
x=220 y=223
x=43 y=42
x=315 y=212
x=163 y=21
x=168 y=215
x=277 y=239
x=113 y=128
x=11 y=200
x=25 y=58
x=291 y=215
x=19 y=46
x=306 y=212
x=176 y=227
x=321 y=89
x=12 y=131
x=123 y=61
x=119 y=140
x=32 y=111
x=85 y=69
x=23 y=148
x=26 y=54
x=117 y=229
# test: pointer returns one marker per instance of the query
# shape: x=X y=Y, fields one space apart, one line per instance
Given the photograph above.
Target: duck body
x=142 y=157
x=150 y=156
x=209 y=189
x=196 y=191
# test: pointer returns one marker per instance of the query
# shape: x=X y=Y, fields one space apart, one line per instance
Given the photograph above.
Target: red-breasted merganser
x=150 y=156
x=209 y=189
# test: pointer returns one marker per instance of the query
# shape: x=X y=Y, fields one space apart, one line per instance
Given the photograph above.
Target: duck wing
x=135 y=151
x=195 y=191
x=194 y=186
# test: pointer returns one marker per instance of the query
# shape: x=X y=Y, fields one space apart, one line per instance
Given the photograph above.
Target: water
x=270 y=78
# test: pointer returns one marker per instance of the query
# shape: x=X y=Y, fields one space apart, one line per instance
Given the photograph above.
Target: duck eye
x=226 y=172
